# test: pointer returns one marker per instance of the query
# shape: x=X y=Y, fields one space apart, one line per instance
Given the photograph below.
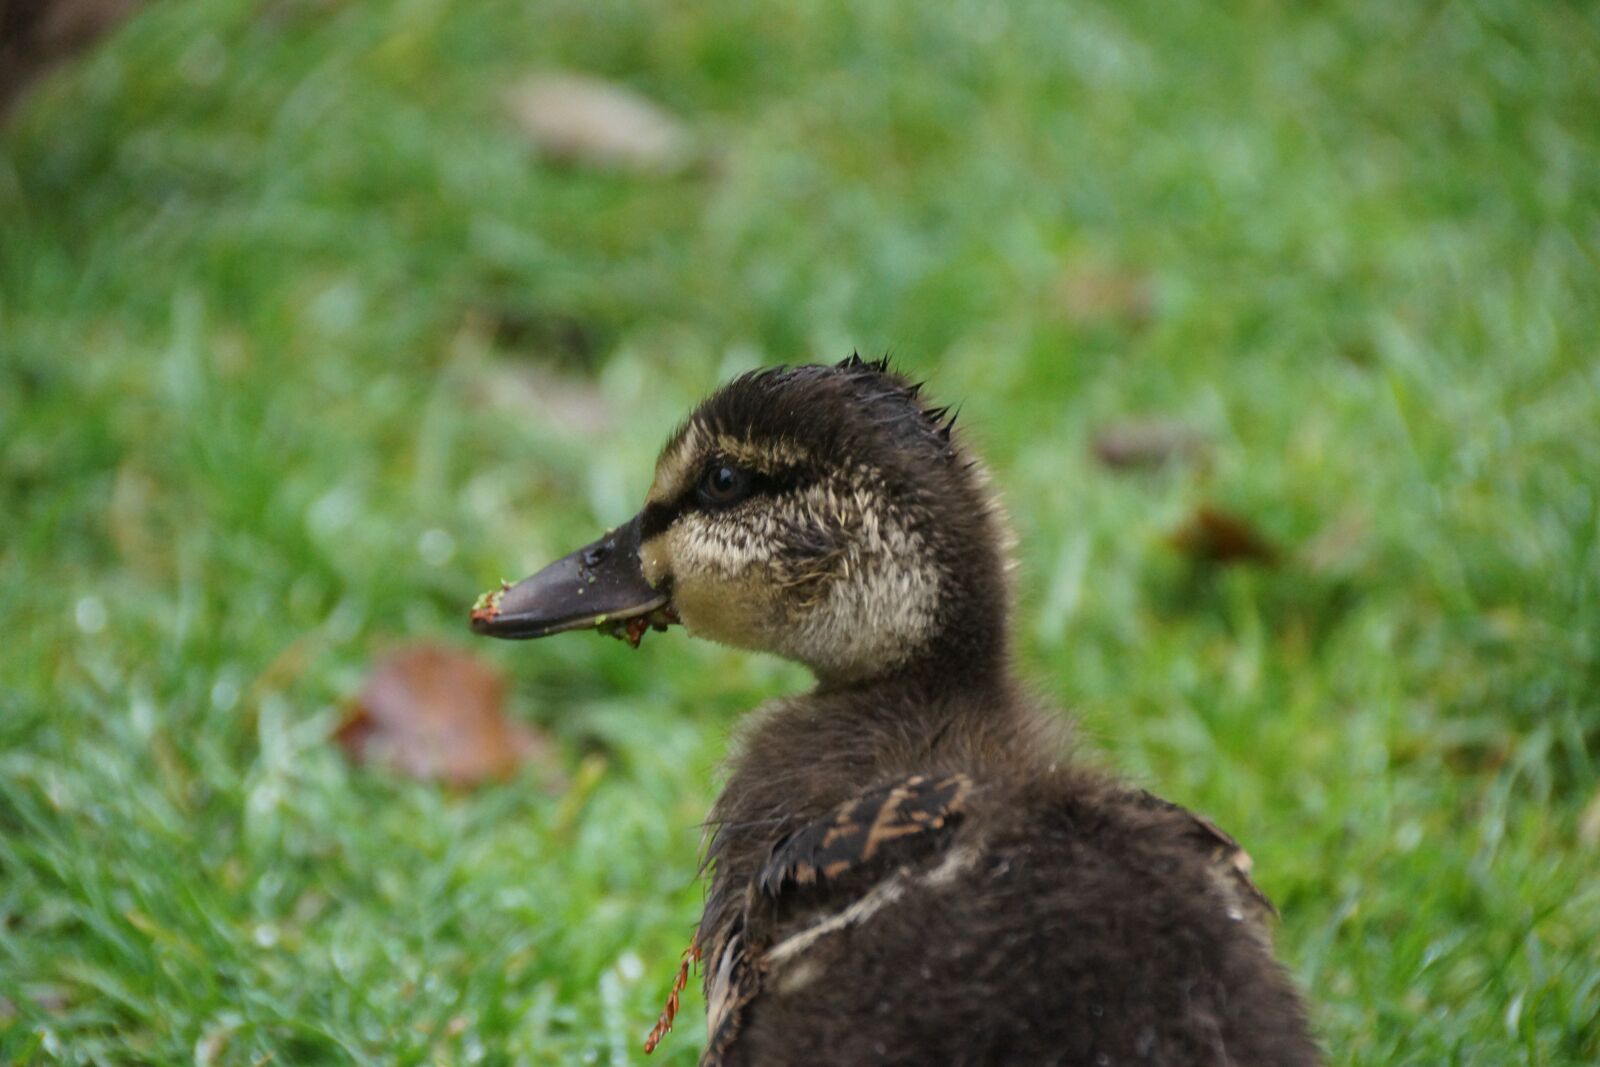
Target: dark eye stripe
x=657 y=518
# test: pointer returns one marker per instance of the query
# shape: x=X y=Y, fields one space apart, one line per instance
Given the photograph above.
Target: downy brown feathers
x=907 y=866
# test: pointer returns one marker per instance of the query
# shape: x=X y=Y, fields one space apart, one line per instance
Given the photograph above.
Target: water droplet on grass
x=224 y=694
x=436 y=547
x=90 y=614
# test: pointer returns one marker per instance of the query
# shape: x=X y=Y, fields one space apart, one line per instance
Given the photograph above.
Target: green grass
x=247 y=252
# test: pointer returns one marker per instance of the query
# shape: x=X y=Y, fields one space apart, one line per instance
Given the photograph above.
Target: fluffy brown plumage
x=906 y=864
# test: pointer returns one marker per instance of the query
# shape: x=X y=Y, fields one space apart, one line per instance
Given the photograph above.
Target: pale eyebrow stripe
x=675 y=469
x=766 y=457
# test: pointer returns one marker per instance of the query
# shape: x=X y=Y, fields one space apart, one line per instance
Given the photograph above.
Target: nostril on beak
x=596 y=586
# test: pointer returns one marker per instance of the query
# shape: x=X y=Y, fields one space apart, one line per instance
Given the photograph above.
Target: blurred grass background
x=301 y=346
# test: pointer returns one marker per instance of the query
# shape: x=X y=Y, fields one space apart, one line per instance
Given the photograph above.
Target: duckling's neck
x=925 y=701
x=804 y=755
x=945 y=696
x=955 y=662
x=964 y=647
x=954 y=698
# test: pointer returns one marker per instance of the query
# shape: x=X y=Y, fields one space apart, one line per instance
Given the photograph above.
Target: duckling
x=907 y=865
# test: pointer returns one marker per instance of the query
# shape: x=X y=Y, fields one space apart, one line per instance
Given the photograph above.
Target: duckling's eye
x=723 y=484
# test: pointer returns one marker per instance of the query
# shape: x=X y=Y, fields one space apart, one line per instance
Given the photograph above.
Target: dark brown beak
x=601 y=585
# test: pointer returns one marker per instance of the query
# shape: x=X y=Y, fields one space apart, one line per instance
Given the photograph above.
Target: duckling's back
x=960 y=899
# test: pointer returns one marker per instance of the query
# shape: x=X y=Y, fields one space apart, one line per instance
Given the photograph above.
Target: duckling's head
x=826 y=514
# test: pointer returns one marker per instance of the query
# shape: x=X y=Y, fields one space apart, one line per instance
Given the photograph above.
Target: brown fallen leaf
x=562 y=337
x=580 y=120
x=1150 y=442
x=528 y=390
x=1212 y=535
x=436 y=713
x=575 y=405
x=1095 y=294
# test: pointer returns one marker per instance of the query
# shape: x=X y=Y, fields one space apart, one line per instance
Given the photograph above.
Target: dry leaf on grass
x=1149 y=442
x=529 y=391
x=586 y=121
x=570 y=404
x=558 y=336
x=435 y=713
x=1212 y=535
x=1094 y=294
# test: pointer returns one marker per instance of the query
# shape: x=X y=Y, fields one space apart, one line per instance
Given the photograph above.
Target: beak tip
x=486 y=609
x=600 y=586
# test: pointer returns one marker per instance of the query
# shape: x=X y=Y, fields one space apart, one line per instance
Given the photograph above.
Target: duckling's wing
x=860 y=829
x=1230 y=863
x=734 y=982
x=868 y=828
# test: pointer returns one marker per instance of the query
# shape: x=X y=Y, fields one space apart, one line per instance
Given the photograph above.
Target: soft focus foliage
x=302 y=346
